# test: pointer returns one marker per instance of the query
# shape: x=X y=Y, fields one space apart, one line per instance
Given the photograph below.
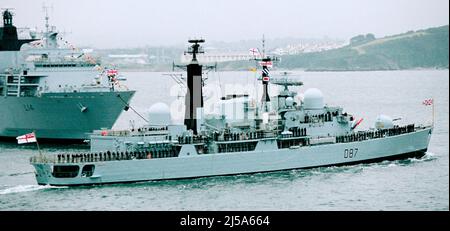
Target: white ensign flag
x=27 y=138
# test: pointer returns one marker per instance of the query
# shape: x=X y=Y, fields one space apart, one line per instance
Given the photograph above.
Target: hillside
x=415 y=49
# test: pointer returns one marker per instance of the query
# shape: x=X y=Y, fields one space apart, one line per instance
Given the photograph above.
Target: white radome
x=159 y=114
x=313 y=99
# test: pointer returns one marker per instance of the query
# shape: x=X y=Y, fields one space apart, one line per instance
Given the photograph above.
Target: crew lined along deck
x=366 y=135
x=234 y=145
x=106 y=156
x=226 y=137
x=134 y=132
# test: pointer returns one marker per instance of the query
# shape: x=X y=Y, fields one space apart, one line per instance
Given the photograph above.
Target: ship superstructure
x=289 y=134
x=57 y=91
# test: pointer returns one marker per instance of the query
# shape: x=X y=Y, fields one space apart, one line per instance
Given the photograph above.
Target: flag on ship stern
x=27 y=138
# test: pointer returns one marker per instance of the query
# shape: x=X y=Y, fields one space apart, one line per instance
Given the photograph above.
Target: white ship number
x=350 y=152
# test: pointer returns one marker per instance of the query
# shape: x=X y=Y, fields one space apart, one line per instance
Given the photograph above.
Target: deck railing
x=366 y=135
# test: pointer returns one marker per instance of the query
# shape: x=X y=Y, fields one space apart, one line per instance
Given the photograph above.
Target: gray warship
x=274 y=134
x=60 y=92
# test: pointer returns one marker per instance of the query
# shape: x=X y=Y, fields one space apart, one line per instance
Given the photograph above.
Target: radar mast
x=265 y=61
x=194 y=83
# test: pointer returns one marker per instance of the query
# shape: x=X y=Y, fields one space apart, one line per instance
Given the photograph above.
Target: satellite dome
x=384 y=122
x=159 y=114
x=313 y=99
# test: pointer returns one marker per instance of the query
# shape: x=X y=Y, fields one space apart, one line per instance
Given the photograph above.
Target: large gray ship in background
x=52 y=88
x=277 y=133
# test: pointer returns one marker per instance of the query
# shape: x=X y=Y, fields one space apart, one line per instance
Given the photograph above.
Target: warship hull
x=61 y=116
x=263 y=159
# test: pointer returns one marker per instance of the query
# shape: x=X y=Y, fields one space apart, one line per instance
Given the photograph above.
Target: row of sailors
x=401 y=130
x=150 y=129
x=191 y=139
x=375 y=134
x=322 y=117
x=235 y=136
x=109 y=156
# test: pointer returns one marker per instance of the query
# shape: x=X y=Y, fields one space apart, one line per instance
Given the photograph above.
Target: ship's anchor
x=82 y=107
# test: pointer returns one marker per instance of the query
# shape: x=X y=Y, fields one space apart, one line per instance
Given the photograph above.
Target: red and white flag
x=27 y=138
x=112 y=72
x=428 y=102
x=266 y=63
x=254 y=51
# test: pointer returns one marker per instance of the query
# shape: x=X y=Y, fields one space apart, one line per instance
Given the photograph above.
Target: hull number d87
x=350 y=152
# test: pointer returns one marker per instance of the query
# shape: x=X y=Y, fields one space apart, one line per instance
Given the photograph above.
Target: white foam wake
x=25 y=188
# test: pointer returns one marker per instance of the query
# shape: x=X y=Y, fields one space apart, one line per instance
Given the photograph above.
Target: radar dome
x=313 y=99
x=384 y=122
x=159 y=114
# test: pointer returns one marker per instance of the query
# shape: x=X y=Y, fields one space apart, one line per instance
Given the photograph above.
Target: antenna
x=45 y=9
x=263 y=47
x=8 y=9
x=195 y=48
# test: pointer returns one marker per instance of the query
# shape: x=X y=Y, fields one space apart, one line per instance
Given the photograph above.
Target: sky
x=137 y=23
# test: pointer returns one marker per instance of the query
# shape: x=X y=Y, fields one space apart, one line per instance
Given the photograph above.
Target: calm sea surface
x=391 y=185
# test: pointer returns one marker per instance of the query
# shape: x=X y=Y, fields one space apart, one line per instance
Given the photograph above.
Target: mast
x=263 y=46
x=265 y=81
x=265 y=62
x=45 y=8
x=8 y=34
x=194 y=83
x=47 y=25
x=194 y=94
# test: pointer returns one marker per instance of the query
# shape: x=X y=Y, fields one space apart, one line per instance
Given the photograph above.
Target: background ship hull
x=59 y=116
x=402 y=146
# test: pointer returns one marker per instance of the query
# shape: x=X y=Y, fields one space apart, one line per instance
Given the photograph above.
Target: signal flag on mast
x=254 y=51
x=428 y=102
